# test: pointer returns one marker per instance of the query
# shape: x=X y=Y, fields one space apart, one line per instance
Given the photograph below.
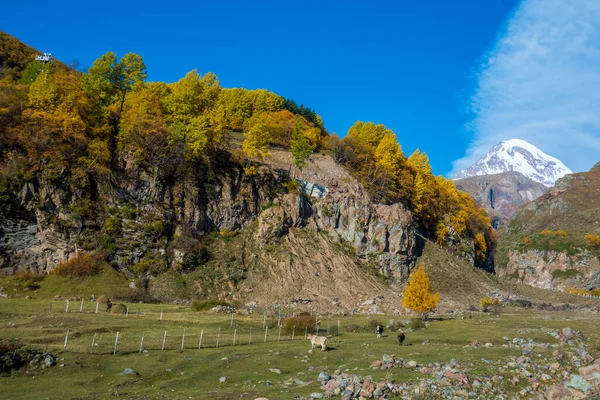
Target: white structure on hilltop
x=47 y=57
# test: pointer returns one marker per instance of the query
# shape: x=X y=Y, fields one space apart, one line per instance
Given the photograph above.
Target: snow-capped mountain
x=520 y=156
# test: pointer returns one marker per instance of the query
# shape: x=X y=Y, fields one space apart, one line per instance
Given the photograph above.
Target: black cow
x=401 y=337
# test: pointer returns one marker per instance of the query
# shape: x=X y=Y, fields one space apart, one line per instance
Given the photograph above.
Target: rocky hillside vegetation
x=193 y=190
x=554 y=241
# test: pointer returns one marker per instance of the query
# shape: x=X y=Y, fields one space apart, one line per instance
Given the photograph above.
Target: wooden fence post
x=67 y=309
x=66 y=339
x=183 y=340
x=218 y=337
x=250 y=339
x=234 y=334
x=164 y=339
x=279 y=335
x=81 y=306
x=97 y=304
x=266 y=331
x=200 y=342
x=142 y=343
x=161 y=316
x=116 y=343
x=293 y=333
x=93 y=344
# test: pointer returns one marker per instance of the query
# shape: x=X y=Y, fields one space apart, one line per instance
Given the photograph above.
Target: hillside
x=545 y=243
x=189 y=190
x=501 y=194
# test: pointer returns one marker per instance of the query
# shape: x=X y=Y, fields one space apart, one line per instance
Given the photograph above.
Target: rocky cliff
x=547 y=242
x=501 y=194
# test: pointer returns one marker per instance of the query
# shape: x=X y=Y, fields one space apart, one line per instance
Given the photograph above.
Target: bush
x=417 y=323
x=353 y=328
x=560 y=233
x=291 y=186
x=137 y=295
x=29 y=279
x=87 y=264
x=206 y=305
x=594 y=240
x=487 y=303
x=547 y=232
x=119 y=309
x=372 y=325
x=300 y=323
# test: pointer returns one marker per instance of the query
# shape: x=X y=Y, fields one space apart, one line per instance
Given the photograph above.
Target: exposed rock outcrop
x=501 y=194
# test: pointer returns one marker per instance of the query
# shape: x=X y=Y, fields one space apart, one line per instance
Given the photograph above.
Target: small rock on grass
x=223 y=379
x=129 y=371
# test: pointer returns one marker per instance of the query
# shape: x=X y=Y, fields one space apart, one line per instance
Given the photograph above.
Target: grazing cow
x=379 y=330
x=401 y=337
x=317 y=340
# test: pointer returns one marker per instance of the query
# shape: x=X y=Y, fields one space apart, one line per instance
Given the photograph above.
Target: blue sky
x=418 y=67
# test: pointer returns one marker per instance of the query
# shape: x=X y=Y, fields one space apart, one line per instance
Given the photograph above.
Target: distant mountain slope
x=501 y=194
x=520 y=156
x=544 y=243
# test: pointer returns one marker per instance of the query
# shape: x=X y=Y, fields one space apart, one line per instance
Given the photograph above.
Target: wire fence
x=171 y=338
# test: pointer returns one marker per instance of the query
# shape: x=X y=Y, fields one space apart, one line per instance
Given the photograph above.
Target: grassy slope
x=167 y=374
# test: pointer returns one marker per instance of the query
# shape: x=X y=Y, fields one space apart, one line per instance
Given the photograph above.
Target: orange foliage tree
x=418 y=295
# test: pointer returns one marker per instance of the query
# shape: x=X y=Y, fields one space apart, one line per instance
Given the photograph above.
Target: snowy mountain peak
x=520 y=156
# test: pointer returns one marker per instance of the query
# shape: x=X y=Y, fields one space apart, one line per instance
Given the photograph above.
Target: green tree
x=300 y=147
x=31 y=72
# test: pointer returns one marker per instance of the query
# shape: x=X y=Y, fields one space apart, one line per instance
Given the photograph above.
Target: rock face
x=546 y=243
x=501 y=194
x=520 y=156
x=554 y=270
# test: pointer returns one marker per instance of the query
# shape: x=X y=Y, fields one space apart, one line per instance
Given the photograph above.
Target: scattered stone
x=412 y=364
x=323 y=377
x=129 y=371
x=275 y=370
x=316 y=395
x=223 y=379
x=578 y=383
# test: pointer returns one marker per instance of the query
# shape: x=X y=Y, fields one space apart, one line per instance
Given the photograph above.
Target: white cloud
x=541 y=83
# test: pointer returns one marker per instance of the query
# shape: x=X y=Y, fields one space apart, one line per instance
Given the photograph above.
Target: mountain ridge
x=520 y=156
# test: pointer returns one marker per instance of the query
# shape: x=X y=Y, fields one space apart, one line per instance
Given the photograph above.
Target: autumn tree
x=369 y=133
x=418 y=295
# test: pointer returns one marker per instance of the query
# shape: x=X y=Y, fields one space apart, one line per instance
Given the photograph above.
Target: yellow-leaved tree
x=418 y=295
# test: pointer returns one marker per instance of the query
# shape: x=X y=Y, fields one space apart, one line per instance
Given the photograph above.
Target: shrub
x=487 y=303
x=291 y=186
x=87 y=264
x=299 y=323
x=594 y=240
x=417 y=323
x=547 y=232
x=560 y=233
x=205 y=305
x=137 y=295
x=119 y=309
x=353 y=328
x=567 y=273
x=227 y=234
x=29 y=279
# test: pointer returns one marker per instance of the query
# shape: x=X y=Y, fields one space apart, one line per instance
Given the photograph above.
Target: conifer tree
x=418 y=295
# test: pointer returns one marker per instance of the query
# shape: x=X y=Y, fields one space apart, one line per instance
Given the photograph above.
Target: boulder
x=556 y=392
x=323 y=377
x=578 y=383
x=591 y=372
x=412 y=364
